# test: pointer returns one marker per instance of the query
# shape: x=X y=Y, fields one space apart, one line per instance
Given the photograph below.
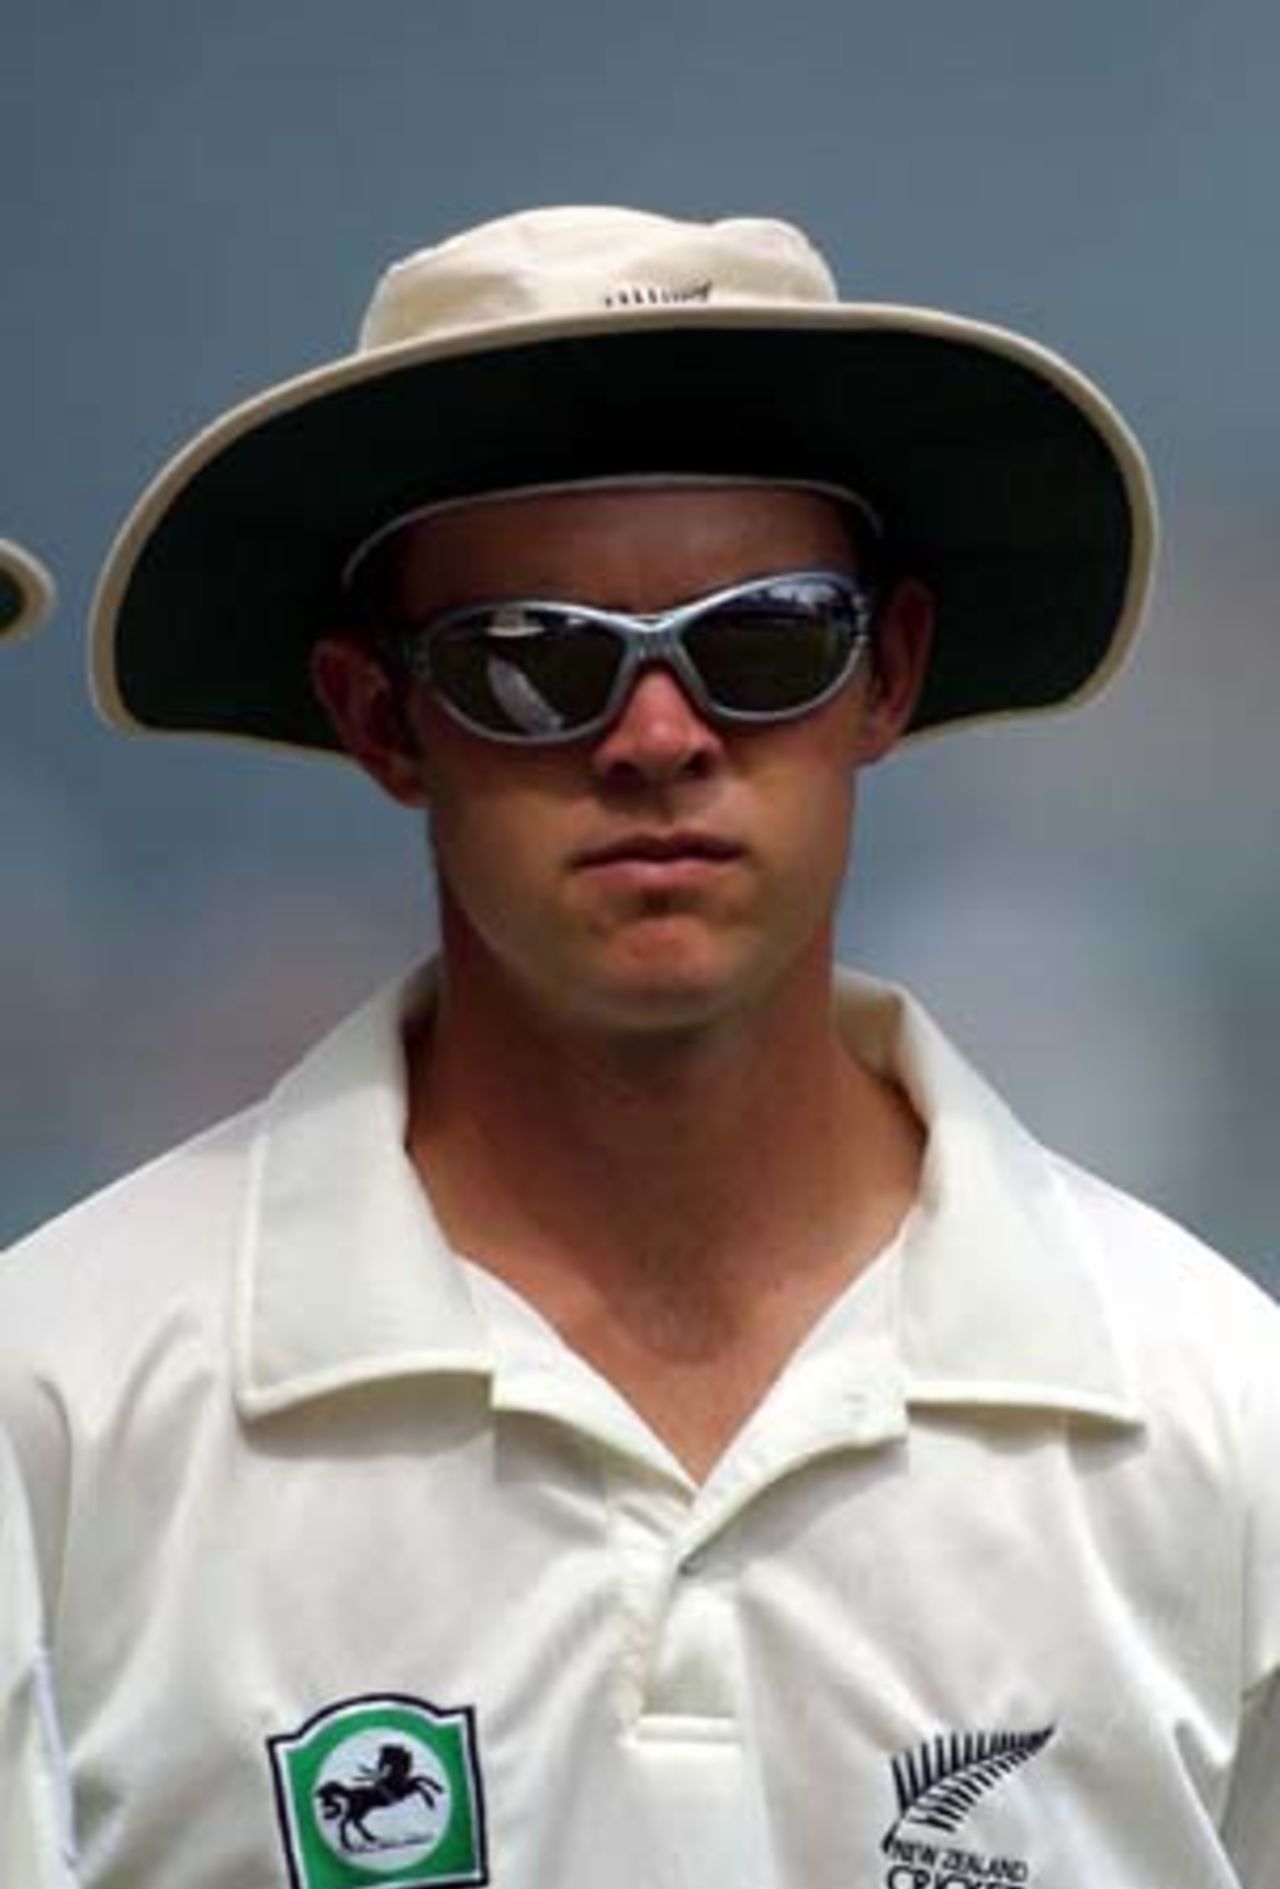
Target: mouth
x=660 y=849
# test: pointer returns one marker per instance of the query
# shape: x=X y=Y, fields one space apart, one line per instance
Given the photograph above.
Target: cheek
x=475 y=838
x=809 y=812
x=498 y=857
x=807 y=784
x=826 y=822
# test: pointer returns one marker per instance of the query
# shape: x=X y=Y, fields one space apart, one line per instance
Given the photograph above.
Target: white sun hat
x=581 y=344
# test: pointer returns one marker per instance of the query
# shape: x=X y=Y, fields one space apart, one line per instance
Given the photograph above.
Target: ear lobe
x=899 y=663
x=368 y=716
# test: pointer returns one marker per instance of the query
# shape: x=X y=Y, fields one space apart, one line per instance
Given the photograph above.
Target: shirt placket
x=679 y=1686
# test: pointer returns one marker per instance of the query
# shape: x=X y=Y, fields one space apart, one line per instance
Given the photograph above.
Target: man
x=615 y=1414
x=34 y=1838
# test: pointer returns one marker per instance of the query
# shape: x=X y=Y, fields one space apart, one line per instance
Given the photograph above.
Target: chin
x=658 y=992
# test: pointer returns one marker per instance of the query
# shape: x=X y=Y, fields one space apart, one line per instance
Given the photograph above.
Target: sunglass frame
x=647 y=639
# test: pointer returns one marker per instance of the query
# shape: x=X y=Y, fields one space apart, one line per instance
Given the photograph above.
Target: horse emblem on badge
x=383 y=1789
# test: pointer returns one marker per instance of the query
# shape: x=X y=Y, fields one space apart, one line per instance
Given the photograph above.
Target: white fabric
x=538 y=264
x=35 y=1841
x=286 y=1449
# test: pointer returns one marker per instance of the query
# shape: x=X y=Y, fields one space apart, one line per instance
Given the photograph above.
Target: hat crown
x=546 y=264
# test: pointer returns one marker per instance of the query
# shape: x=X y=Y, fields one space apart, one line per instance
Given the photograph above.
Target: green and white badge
x=382 y=1790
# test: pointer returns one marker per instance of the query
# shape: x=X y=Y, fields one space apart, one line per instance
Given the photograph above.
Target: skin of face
x=666 y=874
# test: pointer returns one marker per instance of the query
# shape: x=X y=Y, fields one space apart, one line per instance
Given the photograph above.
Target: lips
x=660 y=849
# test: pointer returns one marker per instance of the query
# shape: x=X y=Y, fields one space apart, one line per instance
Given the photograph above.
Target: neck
x=682 y=1207
x=696 y=1162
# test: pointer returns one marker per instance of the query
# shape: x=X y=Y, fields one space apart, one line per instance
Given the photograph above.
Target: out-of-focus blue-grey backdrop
x=196 y=201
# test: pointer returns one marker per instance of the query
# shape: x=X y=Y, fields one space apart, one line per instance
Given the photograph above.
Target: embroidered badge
x=384 y=1789
x=937 y=1784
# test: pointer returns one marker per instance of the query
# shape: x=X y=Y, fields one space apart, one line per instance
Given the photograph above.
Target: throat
x=695 y=1363
x=688 y=1304
x=681 y=1222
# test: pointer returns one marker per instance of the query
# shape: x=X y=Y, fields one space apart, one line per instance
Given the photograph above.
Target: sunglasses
x=537 y=672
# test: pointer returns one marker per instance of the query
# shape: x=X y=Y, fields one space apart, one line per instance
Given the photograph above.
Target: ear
x=368 y=715
x=899 y=662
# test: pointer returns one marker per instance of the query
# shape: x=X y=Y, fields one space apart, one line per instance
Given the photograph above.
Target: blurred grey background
x=196 y=202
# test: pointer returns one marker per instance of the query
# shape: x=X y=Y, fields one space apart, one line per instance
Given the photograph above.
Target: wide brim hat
x=26 y=591
x=568 y=345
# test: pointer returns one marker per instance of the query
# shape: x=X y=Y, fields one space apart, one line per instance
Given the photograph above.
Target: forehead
x=637 y=547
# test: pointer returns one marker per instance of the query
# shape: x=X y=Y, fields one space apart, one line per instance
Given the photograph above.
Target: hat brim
x=1007 y=481
x=26 y=591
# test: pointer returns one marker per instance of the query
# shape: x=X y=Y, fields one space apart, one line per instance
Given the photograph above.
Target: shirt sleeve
x=35 y=1823
x=1251 y=1825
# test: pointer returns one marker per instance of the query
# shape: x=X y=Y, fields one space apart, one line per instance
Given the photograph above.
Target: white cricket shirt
x=35 y=1841
x=357 y=1575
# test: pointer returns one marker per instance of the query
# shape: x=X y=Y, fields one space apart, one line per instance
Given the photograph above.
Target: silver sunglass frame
x=647 y=640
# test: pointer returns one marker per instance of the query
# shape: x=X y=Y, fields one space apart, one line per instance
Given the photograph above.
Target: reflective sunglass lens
x=767 y=656
x=543 y=671
x=545 y=677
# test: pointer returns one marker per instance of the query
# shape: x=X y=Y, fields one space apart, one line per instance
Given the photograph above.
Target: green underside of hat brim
x=997 y=489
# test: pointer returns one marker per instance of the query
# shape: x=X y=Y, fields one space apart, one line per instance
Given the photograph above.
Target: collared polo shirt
x=35 y=1842
x=357 y=1574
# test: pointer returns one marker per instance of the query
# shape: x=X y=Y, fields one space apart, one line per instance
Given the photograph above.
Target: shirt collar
x=343 y=1275
x=1003 y=1295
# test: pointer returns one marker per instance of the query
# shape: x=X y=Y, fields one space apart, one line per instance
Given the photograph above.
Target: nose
x=658 y=738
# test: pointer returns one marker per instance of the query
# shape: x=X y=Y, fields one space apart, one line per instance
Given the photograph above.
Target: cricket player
x=632 y=1406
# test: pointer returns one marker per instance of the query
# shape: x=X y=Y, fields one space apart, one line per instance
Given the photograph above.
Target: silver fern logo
x=658 y=294
x=937 y=1785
